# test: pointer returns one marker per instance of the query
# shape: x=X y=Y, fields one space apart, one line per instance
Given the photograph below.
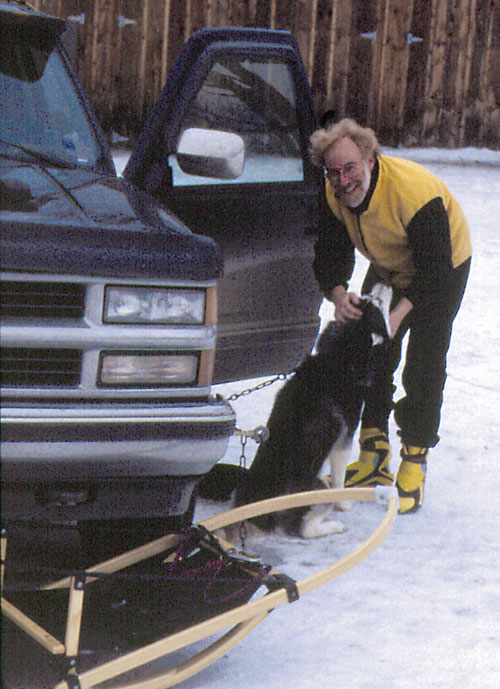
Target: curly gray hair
x=364 y=138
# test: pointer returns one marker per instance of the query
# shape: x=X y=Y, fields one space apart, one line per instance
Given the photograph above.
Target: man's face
x=348 y=172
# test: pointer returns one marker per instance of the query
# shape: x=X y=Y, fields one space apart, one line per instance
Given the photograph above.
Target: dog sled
x=196 y=585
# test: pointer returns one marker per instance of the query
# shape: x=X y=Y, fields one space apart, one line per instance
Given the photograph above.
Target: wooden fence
x=420 y=72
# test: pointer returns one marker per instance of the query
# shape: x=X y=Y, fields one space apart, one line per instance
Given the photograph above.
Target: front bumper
x=113 y=441
x=91 y=461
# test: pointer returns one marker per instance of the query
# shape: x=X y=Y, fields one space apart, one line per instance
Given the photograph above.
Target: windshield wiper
x=36 y=155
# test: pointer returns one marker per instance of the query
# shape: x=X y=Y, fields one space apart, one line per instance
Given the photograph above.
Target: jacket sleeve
x=430 y=242
x=334 y=252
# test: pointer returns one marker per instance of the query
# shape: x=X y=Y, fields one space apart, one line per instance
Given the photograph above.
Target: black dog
x=313 y=419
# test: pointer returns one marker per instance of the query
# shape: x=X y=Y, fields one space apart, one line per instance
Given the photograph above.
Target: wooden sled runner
x=240 y=619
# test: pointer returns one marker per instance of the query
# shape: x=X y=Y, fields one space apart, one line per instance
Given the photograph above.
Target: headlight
x=155 y=370
x=154 y=305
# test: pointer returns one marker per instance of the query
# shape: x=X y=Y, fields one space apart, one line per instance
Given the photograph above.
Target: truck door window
x=256 y=99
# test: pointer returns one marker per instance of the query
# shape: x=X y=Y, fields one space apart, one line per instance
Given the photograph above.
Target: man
x=405 y=221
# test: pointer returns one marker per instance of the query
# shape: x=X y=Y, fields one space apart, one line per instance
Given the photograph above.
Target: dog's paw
x=343 y=506
x=317 y=529
x=332 y=526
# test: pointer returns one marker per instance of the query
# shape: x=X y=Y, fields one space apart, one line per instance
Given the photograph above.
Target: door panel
x=263 y=220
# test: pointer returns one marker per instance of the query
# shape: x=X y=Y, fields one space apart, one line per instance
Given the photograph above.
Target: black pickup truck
x=117 y=318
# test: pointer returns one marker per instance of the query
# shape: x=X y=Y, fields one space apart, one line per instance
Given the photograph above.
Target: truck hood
x=80 y=222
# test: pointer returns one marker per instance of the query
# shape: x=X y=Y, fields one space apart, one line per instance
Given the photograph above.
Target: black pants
x=418 y=413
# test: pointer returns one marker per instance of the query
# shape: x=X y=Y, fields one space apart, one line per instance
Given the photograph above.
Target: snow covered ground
x=422 y=612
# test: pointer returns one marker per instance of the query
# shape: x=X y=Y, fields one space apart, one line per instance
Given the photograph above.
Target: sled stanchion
x=3 y=554
x=74 y=619
x=240 y=620
x=32 y=629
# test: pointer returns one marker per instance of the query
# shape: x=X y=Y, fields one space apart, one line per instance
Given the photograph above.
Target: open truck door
x=237 y=107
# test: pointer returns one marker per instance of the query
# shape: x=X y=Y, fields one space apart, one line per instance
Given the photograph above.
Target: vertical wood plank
x=272 y=14
x=209 y=12
x=264 y=13
x=240 y=12
x=103 y=37
x=378 y=62
x=221 y=13
x=364 y=24
x=251 y=19
x=331 y=54
x=165 y=41
x=127 y=108
x=141 y=86
x=390 y=67
x=74 y=619
x=114 y=62
x=435 y=71
x=154 y=56
x=251 y=12
x=415 y=86
x=303 y=25
x=486 y=94
x=339 y=63
x=197 y=15
x=399 y=66
x=188 y=27
x=59 y=9
x=3 y=555
x=312 y=40
x=179 y=29
x=90 y=43
x=466 y=24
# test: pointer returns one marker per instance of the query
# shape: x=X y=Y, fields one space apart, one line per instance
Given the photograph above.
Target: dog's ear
x=375 y=323
x=329 y=335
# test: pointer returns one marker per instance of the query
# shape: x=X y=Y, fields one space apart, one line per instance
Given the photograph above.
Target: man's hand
x=347 y=308
x=347 y=305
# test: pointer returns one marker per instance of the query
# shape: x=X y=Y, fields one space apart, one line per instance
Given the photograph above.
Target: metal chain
x=260 y=386
x=259 y=434
x=243 y=465
x=243 y=440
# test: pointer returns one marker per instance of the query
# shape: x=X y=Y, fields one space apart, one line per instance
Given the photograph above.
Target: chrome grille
x=42 y=300
x=40 y=368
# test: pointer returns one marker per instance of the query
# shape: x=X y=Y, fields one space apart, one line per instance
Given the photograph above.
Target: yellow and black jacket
x=409 y=226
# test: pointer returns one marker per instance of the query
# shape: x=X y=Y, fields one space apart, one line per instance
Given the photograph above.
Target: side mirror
x=211 y=153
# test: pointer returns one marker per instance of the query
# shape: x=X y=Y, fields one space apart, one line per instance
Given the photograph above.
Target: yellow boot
x=372 y=466
x=411 y=478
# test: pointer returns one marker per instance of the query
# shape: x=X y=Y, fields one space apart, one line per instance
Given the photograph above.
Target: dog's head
x=356 y=347
x=376 y=306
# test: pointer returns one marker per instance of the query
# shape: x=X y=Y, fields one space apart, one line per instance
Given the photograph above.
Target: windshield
x=41 y=115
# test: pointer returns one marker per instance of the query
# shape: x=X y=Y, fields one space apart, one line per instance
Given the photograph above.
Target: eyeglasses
x=334 y=173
